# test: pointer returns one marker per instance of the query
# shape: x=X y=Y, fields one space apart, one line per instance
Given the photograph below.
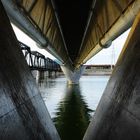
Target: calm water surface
x=72 y=106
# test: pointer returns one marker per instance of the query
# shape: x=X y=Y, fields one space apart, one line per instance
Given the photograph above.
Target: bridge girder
x=46 y=22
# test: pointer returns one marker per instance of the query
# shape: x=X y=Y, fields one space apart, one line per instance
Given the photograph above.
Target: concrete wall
x=23 y=114
x=118 y=114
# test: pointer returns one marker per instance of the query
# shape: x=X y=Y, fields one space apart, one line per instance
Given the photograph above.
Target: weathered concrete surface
x=118 y=114
x=23 y=114
x=73 y=76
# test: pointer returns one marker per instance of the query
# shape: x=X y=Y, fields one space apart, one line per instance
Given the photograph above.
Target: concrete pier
x=118 y=114
x=40 y=75
x=73 y=76
x=23 y=114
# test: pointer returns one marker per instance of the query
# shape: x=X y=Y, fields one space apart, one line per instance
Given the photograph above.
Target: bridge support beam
x=117 y=116
x=23 y=114
x=73 y=76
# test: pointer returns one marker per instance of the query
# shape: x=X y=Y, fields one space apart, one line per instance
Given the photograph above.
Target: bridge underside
x=73 y=31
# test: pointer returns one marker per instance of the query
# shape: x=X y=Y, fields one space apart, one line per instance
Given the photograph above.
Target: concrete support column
x=73 y=76
x=46 y=74
x=23 y=114
x=117 y=116
x=50 y=74
x=40 y=75
x=55 y=74
x=34 y=73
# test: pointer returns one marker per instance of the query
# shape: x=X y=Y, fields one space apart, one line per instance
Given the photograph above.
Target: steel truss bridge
x=37 y=61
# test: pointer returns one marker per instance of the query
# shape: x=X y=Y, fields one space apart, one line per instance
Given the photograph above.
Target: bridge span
x=39 y=64
x=72 y=31
x=37 y=61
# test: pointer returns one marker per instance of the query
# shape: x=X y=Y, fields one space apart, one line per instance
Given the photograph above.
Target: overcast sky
x=106 y=56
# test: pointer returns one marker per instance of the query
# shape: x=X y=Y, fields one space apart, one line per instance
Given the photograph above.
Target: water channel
x=72 y=106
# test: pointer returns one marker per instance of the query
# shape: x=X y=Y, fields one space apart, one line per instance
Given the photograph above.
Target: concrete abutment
x=118 y=114
x=23 y=114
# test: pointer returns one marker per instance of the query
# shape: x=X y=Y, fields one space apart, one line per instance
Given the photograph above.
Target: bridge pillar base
x=73 y=76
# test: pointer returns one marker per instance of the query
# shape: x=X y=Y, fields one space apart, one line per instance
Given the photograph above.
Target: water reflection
x=71 y=107
x=46 y=82
x=72 y=115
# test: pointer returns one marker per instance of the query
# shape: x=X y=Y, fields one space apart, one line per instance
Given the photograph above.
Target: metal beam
x=88 y=22
x=121 y=25
x=24 y=23
x=32 y=5
x=58 y=22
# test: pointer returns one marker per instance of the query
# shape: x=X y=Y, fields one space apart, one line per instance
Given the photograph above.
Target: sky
x=106 y=56
x=21 y=36
x=111 y=54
